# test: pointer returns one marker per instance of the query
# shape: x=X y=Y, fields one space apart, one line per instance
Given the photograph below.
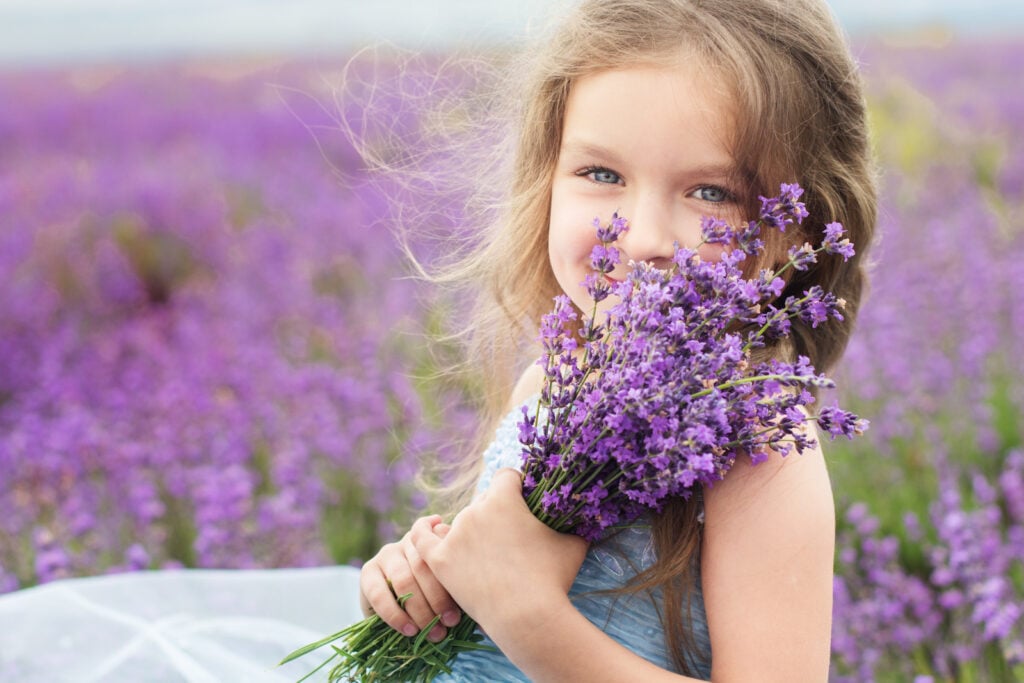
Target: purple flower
x=778 y=212
x=835 y=243
x=714 y=231
x=604 y=258
x=802 y=256
x=611 y=231
x=838 y=422
x=200 y=340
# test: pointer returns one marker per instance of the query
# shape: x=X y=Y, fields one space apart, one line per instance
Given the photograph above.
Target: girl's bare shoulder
x=529 y=384
x=797 y=483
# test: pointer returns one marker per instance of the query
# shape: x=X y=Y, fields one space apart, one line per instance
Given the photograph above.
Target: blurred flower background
x=210 y=355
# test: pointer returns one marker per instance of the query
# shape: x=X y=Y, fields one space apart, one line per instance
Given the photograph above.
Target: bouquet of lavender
x=660 y=397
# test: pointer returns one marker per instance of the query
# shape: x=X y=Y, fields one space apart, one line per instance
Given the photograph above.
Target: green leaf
x=422 y=637
x=315 y=646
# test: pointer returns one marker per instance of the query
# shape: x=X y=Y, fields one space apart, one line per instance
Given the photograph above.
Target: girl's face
x=652 y=143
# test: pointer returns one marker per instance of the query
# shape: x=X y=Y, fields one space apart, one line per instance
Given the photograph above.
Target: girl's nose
x=650 y=236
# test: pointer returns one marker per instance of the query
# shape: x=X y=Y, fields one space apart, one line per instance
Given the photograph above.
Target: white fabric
x=192 y=626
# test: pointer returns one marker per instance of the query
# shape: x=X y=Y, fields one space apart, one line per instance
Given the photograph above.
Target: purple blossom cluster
x=935 y=362
x=206 y=357
x=945 y=300
x=662 y=395
x=940 y=601
x=879 y=604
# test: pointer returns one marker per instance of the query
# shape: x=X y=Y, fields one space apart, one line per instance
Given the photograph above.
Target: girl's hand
x=401 y=565
x=497 y=560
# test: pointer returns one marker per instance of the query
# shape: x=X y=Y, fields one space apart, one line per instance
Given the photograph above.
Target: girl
x=663 y=110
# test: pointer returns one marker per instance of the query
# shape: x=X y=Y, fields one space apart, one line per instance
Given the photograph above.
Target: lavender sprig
x=656 y=399
x=667 y=396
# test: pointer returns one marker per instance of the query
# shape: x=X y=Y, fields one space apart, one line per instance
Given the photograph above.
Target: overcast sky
x=33 y=31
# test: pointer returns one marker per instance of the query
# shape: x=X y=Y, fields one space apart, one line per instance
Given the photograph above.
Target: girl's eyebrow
x=585 y=148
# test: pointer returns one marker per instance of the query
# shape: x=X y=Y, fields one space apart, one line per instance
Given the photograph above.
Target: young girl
x=665 y=111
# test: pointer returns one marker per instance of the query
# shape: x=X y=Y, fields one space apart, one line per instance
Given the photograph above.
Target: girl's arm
x=766 y=578
x=512 y=574
x=767 y=559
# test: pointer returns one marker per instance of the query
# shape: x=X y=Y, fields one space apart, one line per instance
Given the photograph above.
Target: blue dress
x=630 y=619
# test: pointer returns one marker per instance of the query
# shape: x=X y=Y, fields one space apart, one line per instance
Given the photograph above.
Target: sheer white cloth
x=191 y=626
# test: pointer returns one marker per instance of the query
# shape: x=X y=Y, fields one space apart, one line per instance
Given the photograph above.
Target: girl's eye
x=601 y=175
x=713 y=193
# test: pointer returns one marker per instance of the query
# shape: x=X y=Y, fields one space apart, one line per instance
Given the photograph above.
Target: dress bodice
x=631 y=619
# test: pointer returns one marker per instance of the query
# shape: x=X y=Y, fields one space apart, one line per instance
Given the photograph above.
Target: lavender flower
x=803 y=256
x=194 y=370
x=838 y=422
x=835 y=243
x=878 y=606
x=786 y=209
x=667 y=398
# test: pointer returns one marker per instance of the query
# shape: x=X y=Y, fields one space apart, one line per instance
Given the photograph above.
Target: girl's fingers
x=439 y=601
x=425 y=541
x=373 y=583
x=435 y=599
x=398 y=570
x=404 y=583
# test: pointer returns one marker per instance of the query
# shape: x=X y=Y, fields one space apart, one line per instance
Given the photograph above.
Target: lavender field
x=210 y=356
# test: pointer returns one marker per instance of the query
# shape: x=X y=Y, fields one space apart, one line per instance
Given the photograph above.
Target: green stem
x=746 y=380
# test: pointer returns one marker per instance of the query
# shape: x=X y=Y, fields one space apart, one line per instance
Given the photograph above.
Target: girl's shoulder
x=796 y=484
x=528 y=385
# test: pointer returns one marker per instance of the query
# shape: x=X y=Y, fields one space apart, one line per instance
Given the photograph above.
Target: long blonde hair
x=800 y=117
